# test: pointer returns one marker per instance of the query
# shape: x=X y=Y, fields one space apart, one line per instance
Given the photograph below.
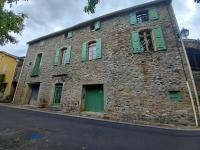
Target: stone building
x=126 y=66
x=193 y=50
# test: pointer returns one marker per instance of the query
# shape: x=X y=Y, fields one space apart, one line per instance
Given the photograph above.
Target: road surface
x=31 y=130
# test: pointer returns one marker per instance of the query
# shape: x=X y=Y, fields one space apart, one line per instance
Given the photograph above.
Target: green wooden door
x=94 y=98
x=57 y=93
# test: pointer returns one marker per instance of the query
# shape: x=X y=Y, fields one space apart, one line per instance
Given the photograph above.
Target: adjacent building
x=193 y=51
x=128 y=65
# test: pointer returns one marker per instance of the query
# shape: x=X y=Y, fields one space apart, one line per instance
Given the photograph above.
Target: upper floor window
x=62 y=56
x=95 y=26
x=142 y=16
x=92 y=50
x=36 y=68
x=146 y=42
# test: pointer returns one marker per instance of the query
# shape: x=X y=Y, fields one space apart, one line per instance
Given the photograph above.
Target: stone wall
x=135 y=85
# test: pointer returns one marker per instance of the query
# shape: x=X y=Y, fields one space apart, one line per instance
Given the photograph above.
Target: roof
x=116 y=13
x=8 y=54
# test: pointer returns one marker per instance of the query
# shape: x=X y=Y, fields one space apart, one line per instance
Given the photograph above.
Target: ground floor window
x=93 y=98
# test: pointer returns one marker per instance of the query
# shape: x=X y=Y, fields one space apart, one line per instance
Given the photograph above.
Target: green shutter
x=36 y=68
x=132 y=18
x=97 y=25
x=84 y=48
x=135 y=42
x=175 y=96
x=153 y=14
x=159 y=38
x=98 y=48
x=68 y=55
x=69 y=35
x=57 y=56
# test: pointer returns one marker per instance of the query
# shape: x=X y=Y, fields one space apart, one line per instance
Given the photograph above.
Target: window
x=36 y=68
x=63 y=56
x=96 y=26
x=142 y=16
x=175 y=96
x=92 y=50
x=146 y=40
x=68 y=35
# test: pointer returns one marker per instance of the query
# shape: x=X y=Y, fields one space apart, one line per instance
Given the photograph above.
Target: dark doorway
x=34 y=93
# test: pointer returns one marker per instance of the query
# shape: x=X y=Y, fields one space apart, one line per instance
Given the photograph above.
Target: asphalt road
x=30 y=130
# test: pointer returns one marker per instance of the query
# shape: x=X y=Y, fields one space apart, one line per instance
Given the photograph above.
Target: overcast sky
x=47 y=16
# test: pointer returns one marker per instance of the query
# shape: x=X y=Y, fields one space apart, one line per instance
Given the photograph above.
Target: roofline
x=8 y=54
x=155 y=2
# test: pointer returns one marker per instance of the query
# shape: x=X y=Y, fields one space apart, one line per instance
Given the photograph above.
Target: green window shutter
x=159 y=38
x=68 y=55
x=135 y=42
x=153 y=14
x=97 y=25
x=36 y=68
x=132 y=18
x=84 y=48
x=70 y=34
x=98 y=48
x=57 y=56
x=175 y=96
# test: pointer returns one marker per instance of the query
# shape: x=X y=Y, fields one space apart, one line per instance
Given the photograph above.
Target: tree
x=90 y=7
x=10 y=22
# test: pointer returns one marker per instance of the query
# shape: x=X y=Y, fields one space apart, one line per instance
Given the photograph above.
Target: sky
x=47 y=16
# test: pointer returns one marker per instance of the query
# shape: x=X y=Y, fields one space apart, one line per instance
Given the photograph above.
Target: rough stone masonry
x=140 y=86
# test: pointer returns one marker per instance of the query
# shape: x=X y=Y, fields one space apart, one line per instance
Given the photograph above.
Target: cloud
x=49 y=16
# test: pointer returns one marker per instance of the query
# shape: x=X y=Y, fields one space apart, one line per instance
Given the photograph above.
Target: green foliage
x=10 y=22
x=90 y=7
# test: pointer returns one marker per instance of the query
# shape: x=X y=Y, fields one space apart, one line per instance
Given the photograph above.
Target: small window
x=68 y=34
x=146 y=42
x=175 y=96
x=95 y=26
x=92 y=27
x=92 y=50
x=63 y=56
x=142 y=16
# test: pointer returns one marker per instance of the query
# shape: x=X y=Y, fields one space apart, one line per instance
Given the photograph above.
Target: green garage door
x=94 y=98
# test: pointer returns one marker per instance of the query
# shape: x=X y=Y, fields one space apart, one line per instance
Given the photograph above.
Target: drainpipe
x=190 y=72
